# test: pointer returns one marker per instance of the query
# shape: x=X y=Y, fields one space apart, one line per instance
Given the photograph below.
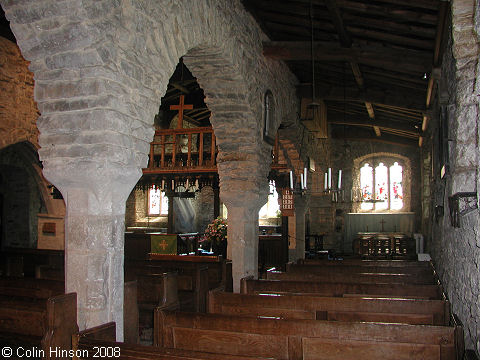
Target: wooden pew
x=89 y=343
x=250 y=286
x=290 y=306
x=303 y=339
x=192 y=281
x=38 y=291
x=49 y=323
x=301 y=274
x=423 y=271
x=219 y=269
x=155 y=290
x=50 y=272
x=23 y=262
x=30 y=287
x=362 y=262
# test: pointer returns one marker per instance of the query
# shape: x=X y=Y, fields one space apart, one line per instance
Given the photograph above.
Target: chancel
x=166 y=163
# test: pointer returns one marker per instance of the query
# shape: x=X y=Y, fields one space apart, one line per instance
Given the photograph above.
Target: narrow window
x=366 y=184
x=157 y=202
x=396 y=188
x=381 y=187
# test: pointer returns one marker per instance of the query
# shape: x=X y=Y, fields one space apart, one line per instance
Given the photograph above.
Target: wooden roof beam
x=362 y=135
x=441 y=25
x=337 y=20
x=386 y=124
x=392 y=96
x=417 y=61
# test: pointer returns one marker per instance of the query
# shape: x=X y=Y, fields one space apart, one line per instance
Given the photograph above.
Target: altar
x=355 y=223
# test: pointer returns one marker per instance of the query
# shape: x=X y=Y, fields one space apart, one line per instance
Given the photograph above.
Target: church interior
x=239 y=179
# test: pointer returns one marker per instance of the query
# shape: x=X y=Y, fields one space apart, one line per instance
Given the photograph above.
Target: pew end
x=104 y=332
x=244 y=284
x=61 y=322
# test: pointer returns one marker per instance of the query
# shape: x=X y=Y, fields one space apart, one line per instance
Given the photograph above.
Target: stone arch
x=124 y=86
x=407 y=174
x=100 y=70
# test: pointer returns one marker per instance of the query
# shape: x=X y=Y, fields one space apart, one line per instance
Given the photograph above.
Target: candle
x=173 y=184
x=163 y=184
x=301 y=181
x=186 y=185
x=291 y=179
x=329 y=178
x=326 y=181
x=305 y=177
x=339 y=179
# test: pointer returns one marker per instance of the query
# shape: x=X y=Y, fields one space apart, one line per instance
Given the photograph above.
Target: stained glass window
x=381 y=187
x=366 y=183
x=396 y=187
x=157 y=202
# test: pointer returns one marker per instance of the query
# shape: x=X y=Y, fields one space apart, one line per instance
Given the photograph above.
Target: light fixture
x=298 y=187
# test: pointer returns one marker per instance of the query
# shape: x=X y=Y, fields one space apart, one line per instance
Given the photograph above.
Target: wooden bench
x=101 y=341
x=155 y=290
x=301 y=274
x=49 y=323
x=357 y=262
x=289 y=306
x=50 y=272
x=304 y=339
x=21 y=262
x=192 y=281
x=30 y=287
x=39 y=290
x=423 y=271
x=250 y=286
x=219 y=269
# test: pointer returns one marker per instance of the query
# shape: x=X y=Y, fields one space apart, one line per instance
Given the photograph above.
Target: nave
x=317 y=309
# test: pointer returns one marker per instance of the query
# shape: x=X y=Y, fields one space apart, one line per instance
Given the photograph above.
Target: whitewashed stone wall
x=100 y=70
x=456 y=251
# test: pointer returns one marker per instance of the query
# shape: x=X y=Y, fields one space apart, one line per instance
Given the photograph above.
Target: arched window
x=381 y=186
x=157 y=202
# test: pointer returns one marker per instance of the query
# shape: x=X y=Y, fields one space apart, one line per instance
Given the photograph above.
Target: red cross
x=180 y=107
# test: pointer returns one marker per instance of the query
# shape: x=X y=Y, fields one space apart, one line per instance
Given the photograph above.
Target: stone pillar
x=296 y=230
x=300 y=210
x=242 y=234
x=95 y=198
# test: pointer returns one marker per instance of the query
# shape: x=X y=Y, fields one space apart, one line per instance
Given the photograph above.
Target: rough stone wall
x=18 y=111
x=203 y=205
x=456 y=251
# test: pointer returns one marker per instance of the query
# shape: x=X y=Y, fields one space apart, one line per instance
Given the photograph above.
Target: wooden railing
x=190 y=150
x=183 y=150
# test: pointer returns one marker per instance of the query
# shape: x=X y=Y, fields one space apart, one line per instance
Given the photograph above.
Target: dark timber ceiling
x=375 y=60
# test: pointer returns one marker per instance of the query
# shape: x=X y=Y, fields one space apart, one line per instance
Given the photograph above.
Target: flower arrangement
x=216 y=231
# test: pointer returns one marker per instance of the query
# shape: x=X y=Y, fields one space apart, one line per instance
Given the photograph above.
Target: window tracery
x=382 y=185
